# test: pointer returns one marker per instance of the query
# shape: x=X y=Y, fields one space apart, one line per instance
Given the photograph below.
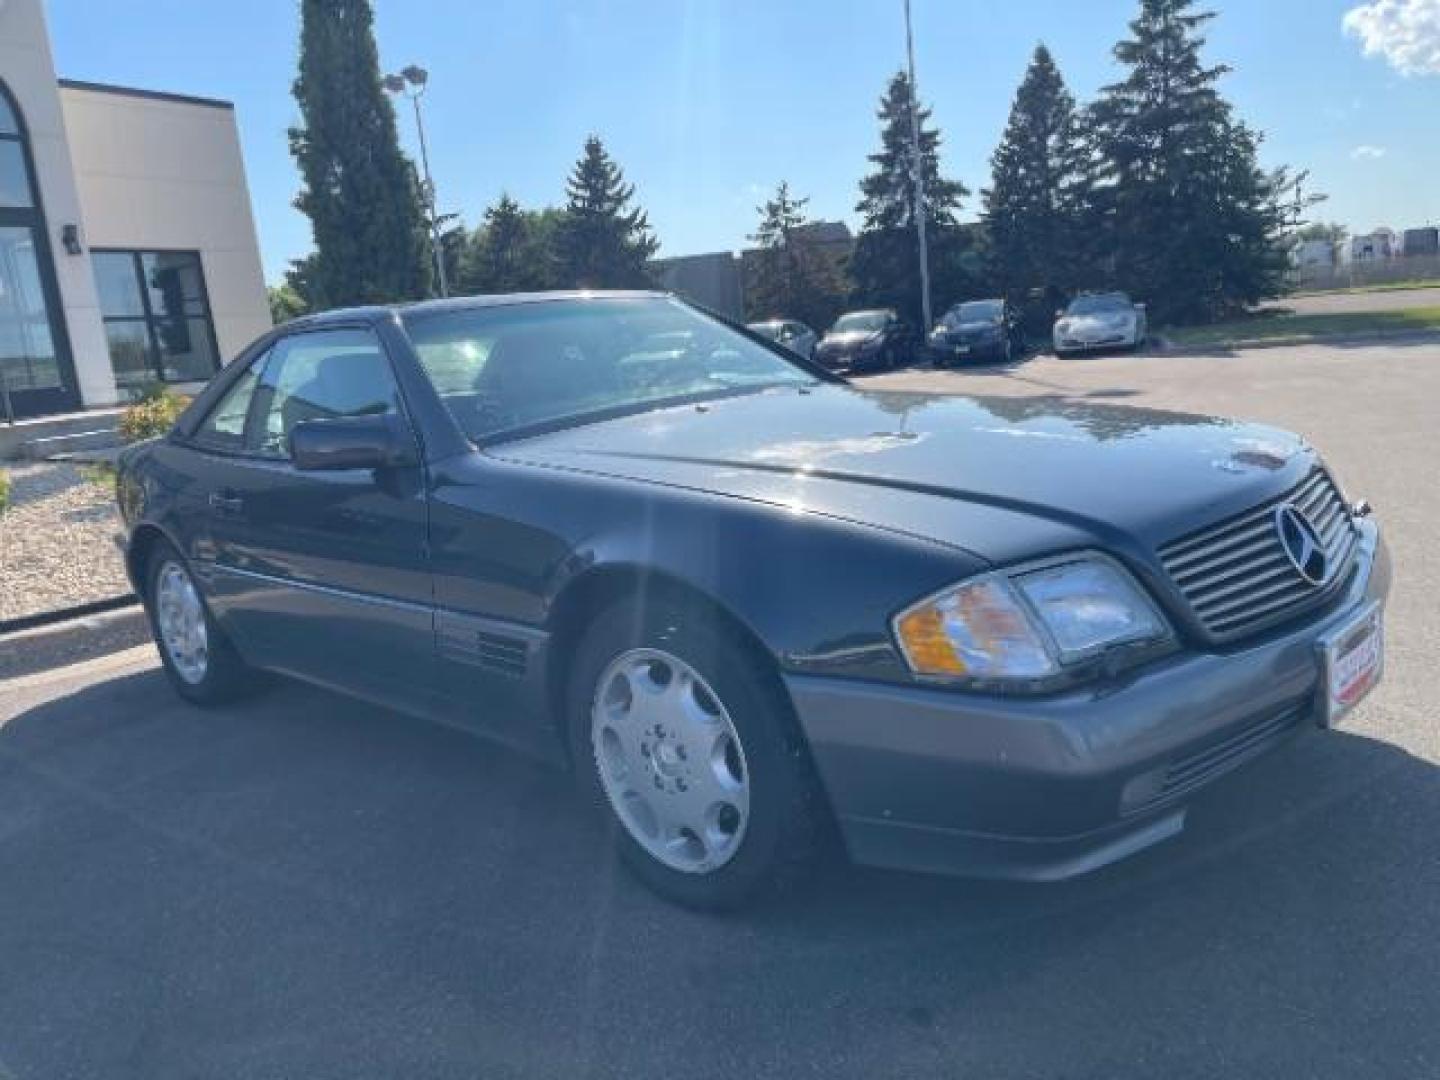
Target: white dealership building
x=128 y=253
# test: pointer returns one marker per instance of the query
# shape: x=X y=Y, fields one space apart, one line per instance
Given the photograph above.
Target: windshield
x=1098 y=305
x=976 y=311
x=860 y=320
x=507 y=368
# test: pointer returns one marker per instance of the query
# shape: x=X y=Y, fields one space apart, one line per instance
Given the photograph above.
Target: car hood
x=1091 y=324
x=849 y=339
x=978 y=473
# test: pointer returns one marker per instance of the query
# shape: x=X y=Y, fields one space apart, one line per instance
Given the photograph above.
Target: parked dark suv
x=859 y=340
x=747 y=602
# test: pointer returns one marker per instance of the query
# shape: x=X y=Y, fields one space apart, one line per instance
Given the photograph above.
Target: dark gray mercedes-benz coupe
x=750 y=604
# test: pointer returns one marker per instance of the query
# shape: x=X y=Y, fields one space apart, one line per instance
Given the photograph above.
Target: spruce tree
x=885 y=267
x=359 y=191
x=1192 y=223
x=792 y=278
x=1035 y=219
x=495 y=256
x=603 y=242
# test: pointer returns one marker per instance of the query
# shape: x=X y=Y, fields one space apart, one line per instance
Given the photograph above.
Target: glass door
x=31 y=380
x=35 y=373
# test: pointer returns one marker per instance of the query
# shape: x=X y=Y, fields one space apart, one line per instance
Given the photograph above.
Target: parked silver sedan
x=795 y=336
x=1100 y=321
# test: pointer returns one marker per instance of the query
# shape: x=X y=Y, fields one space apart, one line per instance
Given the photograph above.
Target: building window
x=14 y=176
x=157 y=317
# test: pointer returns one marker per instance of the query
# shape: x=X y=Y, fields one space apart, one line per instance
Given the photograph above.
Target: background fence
x=1352 y=275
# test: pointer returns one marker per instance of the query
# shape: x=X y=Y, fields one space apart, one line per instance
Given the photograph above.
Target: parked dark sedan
x=747 y=601
x=876 y=340
x=976 y=330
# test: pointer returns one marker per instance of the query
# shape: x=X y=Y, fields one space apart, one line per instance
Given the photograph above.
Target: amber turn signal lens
x=922 y=633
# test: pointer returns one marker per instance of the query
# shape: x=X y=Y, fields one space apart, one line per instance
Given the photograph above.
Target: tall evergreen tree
x=1035 y=218
x=792 y=277
x=603 y=242
x=1194 y=225
x=359 y=191
x=513 y=251
x=885 y=267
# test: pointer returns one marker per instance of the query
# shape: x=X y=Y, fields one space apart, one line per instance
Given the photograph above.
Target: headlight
x=1027 y=624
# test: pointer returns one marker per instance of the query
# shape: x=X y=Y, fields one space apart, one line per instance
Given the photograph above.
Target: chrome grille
x=1236 y=575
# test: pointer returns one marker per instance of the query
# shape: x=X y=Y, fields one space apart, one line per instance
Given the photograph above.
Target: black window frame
x=255 y=362
x=152 y=322
x=259 y=358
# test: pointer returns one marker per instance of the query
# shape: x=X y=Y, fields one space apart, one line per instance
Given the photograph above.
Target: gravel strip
x=56 y=546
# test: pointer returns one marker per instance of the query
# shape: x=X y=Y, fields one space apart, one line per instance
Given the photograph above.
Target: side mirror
x=349 y=442
x=1059 y=313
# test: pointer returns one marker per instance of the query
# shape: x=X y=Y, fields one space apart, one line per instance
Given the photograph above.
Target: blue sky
x=708 y=103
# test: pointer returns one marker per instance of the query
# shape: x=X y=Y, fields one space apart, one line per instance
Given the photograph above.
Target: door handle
x=226 y=503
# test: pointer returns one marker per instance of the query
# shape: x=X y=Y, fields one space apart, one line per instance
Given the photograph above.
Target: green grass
x=1302 y=328
x=1388 y=286
x=100 y=474
x=4 y=490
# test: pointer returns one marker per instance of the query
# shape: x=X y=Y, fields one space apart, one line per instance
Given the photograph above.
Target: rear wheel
x=690 y=753
x=199 y=660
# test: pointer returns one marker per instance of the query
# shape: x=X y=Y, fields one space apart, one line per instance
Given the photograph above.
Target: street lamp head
x=393 y=84
x=415 y=75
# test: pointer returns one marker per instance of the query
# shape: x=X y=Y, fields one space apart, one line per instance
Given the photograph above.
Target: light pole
x=411 y=82
x=918 y=177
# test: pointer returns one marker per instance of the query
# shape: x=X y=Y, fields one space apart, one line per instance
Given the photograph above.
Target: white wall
x=166 y=174
x=28 y=69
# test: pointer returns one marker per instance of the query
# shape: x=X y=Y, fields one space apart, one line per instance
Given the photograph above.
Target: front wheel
x=199 y=660
x=691 y=755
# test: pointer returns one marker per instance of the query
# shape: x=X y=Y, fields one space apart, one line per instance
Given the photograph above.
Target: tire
x=211 y=674
x=637 y=778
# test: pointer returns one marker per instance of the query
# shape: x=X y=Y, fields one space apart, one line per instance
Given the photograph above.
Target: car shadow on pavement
x=301 y=885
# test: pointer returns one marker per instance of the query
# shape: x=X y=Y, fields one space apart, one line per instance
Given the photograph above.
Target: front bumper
x=957 y=351
x=1047 y=788
x=837 y=359
x=1082 y=342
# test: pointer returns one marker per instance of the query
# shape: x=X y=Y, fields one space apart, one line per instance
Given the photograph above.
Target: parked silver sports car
x=1099 y=321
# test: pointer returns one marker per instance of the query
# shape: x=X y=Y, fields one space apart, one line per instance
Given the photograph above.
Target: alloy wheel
x=181 y=619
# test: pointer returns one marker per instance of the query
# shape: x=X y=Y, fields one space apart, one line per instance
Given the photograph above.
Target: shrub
x=4 y=490
x=153 y=415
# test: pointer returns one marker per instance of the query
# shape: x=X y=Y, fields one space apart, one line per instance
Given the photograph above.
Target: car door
x=322 y=574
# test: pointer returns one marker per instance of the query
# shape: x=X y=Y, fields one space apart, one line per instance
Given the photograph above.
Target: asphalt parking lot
x=302 y=886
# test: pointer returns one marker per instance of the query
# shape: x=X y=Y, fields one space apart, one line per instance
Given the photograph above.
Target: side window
x=323 y=375
x=224 y=428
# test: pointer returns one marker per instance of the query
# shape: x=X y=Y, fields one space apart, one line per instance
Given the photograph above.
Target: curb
x=69 y=614
x=57 y=645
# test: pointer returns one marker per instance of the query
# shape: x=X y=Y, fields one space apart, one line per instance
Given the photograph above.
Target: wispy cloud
x=1367 y=153
x=1405 y=32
